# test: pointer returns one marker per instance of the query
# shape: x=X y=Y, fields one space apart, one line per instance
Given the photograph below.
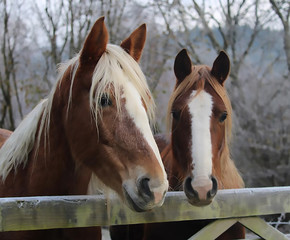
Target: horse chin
x=138 y=203
x=198 y=203
x=133 y=204
x=194 y=200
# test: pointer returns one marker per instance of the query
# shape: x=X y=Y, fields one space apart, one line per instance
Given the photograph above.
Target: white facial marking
x=200 y=109
x=137 y=112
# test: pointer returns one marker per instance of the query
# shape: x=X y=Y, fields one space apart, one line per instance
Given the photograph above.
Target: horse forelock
x=115 y=69
x=199 y=76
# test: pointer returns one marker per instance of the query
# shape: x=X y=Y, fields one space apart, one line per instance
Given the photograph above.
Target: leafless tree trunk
x=8 y=81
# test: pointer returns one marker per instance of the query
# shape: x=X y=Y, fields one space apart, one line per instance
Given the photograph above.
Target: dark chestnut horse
x=92 y=127
x=197 y=158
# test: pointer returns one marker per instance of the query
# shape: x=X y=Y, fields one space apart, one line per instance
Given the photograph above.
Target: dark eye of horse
x=175 y=114
x=105 y=100
x=223 y=117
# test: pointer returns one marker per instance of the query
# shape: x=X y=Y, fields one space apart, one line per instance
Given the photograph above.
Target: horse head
x=201 y=122
x=106 y=117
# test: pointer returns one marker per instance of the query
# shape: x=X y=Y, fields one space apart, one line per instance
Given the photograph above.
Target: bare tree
x=282 y=9
x=11 y=38
x=79 y=19
x=220 y=26
x=51 y=18
x=114 y=11
x=67 y=22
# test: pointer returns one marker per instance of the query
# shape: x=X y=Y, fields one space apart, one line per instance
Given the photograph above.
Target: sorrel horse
x=93 y=126
x=197 y=158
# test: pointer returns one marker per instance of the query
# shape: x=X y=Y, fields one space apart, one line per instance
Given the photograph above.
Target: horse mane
x=199 y=75
x=115 y=68
x=17 y=147
x=123 y=69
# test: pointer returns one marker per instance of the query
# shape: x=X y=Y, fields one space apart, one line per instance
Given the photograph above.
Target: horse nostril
x=214 y=189
x=144 y=188
x=188 y=189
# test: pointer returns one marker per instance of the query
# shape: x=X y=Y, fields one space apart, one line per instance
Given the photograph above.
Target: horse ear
x=221 y=67
x=134 y=44
x=182 y=66
x=95 y=43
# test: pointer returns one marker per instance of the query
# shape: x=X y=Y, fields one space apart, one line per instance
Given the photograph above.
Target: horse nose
x=149 y=193
x=200 y=191
x=144 y=189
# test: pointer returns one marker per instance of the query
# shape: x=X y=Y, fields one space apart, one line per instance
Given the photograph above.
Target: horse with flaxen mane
x=94 y=126
x=197 y=158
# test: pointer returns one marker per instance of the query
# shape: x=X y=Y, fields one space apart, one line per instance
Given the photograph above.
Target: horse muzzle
x=200 y=191
x=145 y=195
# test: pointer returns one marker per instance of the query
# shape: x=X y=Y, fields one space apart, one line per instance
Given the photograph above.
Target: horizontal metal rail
x=31 y=213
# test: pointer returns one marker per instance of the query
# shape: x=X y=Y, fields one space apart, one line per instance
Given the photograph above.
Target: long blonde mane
x=115 y=68
x=199 y=75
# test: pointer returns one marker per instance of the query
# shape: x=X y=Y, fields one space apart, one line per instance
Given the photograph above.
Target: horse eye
x=105 y=100
x=223 y=117
x=175 y=114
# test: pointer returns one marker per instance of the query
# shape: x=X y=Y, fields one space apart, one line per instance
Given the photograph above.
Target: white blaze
x=200 y=109
x=137 y=112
